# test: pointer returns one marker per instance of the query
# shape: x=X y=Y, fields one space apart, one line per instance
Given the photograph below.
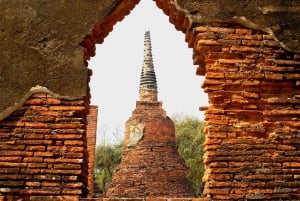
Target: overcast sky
x=117 y=68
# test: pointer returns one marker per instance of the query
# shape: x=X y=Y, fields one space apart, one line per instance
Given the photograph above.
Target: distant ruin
x=151 y=165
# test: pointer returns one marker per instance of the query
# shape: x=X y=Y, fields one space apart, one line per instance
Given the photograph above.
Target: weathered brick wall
x=252 y=150
x=252 y=147
x=91 y=131
x=42 y=150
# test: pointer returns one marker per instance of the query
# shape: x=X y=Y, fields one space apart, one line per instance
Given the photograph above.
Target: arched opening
x=116 y=71
x=117 y=65
x=241 y=63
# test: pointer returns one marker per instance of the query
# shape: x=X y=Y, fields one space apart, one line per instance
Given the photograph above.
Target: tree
x=189 y=140
x=107 y=159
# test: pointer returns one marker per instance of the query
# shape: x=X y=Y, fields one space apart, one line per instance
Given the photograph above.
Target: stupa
x=151 y=165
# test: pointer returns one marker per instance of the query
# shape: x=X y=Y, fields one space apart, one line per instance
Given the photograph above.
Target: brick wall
x=252 y=150
x=91 y=132
x=252 y=147
x=42 y=151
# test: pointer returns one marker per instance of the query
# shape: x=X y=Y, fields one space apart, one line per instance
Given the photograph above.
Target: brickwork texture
x=43 y=149
x=252 y=129
x=252 y=79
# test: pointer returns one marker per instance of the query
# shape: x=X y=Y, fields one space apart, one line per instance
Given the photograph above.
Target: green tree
x=107 y=159
x=190 y=139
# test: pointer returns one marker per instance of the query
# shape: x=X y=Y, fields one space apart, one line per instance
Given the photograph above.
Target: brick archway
x=249 y=76
x=252 y=80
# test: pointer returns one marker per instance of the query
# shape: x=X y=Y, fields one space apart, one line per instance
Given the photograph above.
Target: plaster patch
x=33 y=90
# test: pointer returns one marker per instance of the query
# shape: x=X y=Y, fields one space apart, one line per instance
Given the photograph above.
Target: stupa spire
x=150 y=165
x=148 y=85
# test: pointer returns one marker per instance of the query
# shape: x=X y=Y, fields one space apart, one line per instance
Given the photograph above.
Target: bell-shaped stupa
x=151 y=165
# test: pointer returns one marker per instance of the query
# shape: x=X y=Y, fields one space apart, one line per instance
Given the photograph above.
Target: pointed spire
x=148 y=85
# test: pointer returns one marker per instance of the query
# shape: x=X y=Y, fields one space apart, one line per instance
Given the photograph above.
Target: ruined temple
x=151 y=165
x=248 y=51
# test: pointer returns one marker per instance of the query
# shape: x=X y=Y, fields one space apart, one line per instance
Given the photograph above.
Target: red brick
x=291 y=164
x=12 y=124
x=201 y=29
x=251 y=82
x=243 y=49
x=10 y=158
x=41 y=101
x=32 y=184
x=50 y=113
x=237 y=61
x=50 y=184
x=33 y=159
x=243 y=31
x=67 y=166
x=294 y=76
x=47 y=177
x=35 y=125
x=57 y=148
x=73 y=185
x=30 y=171
x=212 y=141
x=34 y=142
x=219 y=191
x=63 y=137
x=33 y=136
x=74 y=155
x=69 y=178
x=61 y=172
x=274 y=76
x=11 y=183
x=54 y=198
x=207 y=42
x=71 y=191
x=287 y=62
x=73 y=142
x=43 y=154
x=211 y=82
x=220 y=177
x=214 y=75
x=286 y=147
x=67 y=125
x=63 y=160
x=67 y=108
x=35 y=148
x=218 y=164
x=278 y=69
x=36 y=165
x=252 y=43
x=155 y=199
x=41 y=191
x=260 y=191
x=12 y=165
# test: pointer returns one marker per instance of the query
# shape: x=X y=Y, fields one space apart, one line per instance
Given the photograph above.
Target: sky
x=117 y=68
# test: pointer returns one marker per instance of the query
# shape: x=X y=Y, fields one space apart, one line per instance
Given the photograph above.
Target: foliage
x=190 y=139
x=107 y=159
